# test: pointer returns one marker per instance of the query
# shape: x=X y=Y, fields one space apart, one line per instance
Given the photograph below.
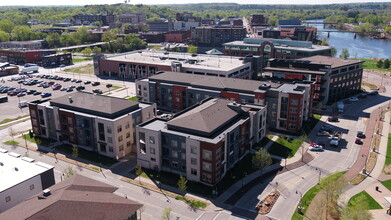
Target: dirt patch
x=87 y=69
x=266 y=205
x=357 y=179
x=387 y=169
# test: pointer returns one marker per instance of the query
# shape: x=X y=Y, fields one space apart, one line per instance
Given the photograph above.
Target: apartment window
x=293 y=110
x=153 y=159
x=120 y=138
x=152 y=150
x=174 y=164
x=151 y=139
x=127 y=125
x=111 y=149
x=174 y=154
x=128 y=144
x=174 y=143
x=183 y=145
x=110 y=140
x=8 y=198
x=69 y=120
x=109 y=130
x=294 y=102
x=127 y=134
x=292 y=118
x=119 y=128
x=193 y=161
x=206 y=166
x=193 y=149
x=103 y=147
x=207 y=154
x=193 y=172
x=121 y=147
x=31 y=186
x=183 y=156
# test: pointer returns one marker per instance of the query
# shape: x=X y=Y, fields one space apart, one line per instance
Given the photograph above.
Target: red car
x=358 y=141
x=56 y=87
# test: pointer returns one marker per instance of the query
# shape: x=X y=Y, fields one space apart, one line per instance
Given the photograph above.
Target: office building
x=203 y=142
x=93 y=122
x=160 y=25
x=132 y=18
x=216 y=36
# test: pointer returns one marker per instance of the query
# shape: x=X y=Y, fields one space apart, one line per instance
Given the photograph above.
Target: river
x=361 y=47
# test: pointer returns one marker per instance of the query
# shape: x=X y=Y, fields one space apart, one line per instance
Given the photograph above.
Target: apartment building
x=31 y=45
x=216 y=36
x=91 y=18
x=258 y=20
x=132 y=18
x=144 y=63
x=160 y=25
x=202 y=142
x=21 y=177
x=335 y=78
x=175 y=92
x=93 y=122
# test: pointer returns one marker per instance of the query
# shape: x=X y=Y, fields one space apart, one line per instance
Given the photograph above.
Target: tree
x=87 y=52
x=21 y=33
x=68 y=172
x=261 y=159
x=333 y=51
x=54 y=40
x=356 y=210
x=192 y=49
x=386 y=64
x=139 y=171
x=4 y=36
x=324 y=42
x=96 y=50
x=379 y=64
x=75 y=151
x=6 y=26
x=344 y=53
x=12 y=133
x=182 y=183
x=132 y=42
x=331 y=188
x=166 y=213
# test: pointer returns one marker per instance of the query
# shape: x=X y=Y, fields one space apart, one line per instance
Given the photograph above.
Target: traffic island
x=265 y=206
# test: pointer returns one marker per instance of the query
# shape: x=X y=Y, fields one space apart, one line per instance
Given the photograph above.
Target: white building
x=21 y=178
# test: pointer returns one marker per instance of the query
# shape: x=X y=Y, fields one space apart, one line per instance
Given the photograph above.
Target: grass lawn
x=285 y=147
x=387 y=184
x=388 y=157
x=87 y=69
x=11 y=142
x=134 y=98
x=37 y=140
x=12 y=119
x=76 y=60
x=310 y=194
x=87 y=155
x=371 y=64
x=371 y=203
x=116 y=87
x=370 y=85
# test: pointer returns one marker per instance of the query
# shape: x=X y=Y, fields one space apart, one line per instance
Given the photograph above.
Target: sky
x=152 y=2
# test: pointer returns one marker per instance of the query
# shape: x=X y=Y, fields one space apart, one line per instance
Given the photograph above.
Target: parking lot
x=11 y=108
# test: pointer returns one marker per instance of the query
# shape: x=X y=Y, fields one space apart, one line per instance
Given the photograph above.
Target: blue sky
x=150 y=2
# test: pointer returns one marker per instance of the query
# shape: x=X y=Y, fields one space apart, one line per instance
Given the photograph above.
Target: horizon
x=43 y=3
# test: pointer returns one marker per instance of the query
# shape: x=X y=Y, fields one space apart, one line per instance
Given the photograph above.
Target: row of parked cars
x=360 y=96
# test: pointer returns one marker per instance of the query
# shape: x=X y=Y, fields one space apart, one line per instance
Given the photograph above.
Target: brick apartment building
x=23 y=56
x=216 y=36
x=334 y=78
x=91 y=18
x=144 y=63
x=177 y=36
x=202 y=142
x=258 y=20
x=289 y=105
x=132 y=18
x=93 y=122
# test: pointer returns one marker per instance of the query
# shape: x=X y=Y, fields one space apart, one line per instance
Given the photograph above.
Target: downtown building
x=93 y=122
x=334 y=78
x=216 y=35
x=288 y=105
x=145 y=63
x=202 y=142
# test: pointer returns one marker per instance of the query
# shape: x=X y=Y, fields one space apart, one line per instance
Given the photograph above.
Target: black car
x=109 y=85
x=333 y=119
x=78 y=81
x=37 y=93
x=360 y=134
x=31 y=91
x=80 y=88
x=374 y=92
x=97 y=91
x=362 y=95
x=96 y=83
x=87 y=82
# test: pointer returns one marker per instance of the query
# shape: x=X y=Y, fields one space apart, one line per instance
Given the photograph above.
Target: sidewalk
x=372 y=180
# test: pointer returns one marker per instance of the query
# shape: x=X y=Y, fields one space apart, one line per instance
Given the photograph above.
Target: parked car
x=63 y=89
x=80 y=88
x=374 y=92
x=315 y=148
x=31 y=91
x=78 y=81
x=358 y=141
x=327 y=128
x=46 y=94
x=95 y=83
x=37 y=93
x=23 y=104
x=21 y=94
x=323 y=133
x=98 y=91
x=73 y=80
x=109 y=85
x=69 y=89
x=333 y=119
x=87 y=82
x=56 y=87
x=353 y=99
x=362 y=95
x=62 y=65
x=360 y=134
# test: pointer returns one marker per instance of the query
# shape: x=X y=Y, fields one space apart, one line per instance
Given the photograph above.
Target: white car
x=315 y=148
x=353 y=99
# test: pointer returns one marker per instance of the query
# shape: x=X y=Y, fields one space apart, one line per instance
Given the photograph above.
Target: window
x=183 y=145
x=109 y=130
x=128 y=144
x=206 y=166
x=174 y=164
x=174 y=154
x=293 y=110
x=120 y=138
x=121 y=147
x=70 y=120
x=31 y=186
x=207 y=154
x=193 y=149
x=119 y=128
x=153 y=159
x=292 y=118
x=294 y=102
x=193 y=172
x=152 y=150
x=127 y=126
x=127 y=134
x=103 y=147
x=193 y=161
x=110 y=140
x=111 y=149
x=8 y=198
x=151 y=139
x=174 y=143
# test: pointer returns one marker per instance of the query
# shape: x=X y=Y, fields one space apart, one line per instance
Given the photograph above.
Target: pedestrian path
x=371 y=181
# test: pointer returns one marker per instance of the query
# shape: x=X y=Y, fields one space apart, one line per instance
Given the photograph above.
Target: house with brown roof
x=77 y=197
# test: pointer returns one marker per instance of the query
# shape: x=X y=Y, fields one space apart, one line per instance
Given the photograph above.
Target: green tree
x=87 y=52
x=357 y=210
x=110 y=36
x=12 y=133
x=132 y=42
x=344 y=53
x=261 y=159
x=54 y=40
x=68 y=172
x=166 y=213
x=139 y=171
x=192 y=49
x=4 y=36
x=75 y=151
x=324 y=42
x=379 y=64
x=331 y=188
x=333 y=51
x=6 y=26
x=21 y=33
x=96 y=50
x=386 y=64
x=182 y=183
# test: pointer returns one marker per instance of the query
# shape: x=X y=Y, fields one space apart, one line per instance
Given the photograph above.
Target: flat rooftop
x=282 y=45
x=293 y=70
x=15 y=169
x=87 y=102
x=334 y=62
x=292 y=88
x=220 y=83
x=200 y=61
